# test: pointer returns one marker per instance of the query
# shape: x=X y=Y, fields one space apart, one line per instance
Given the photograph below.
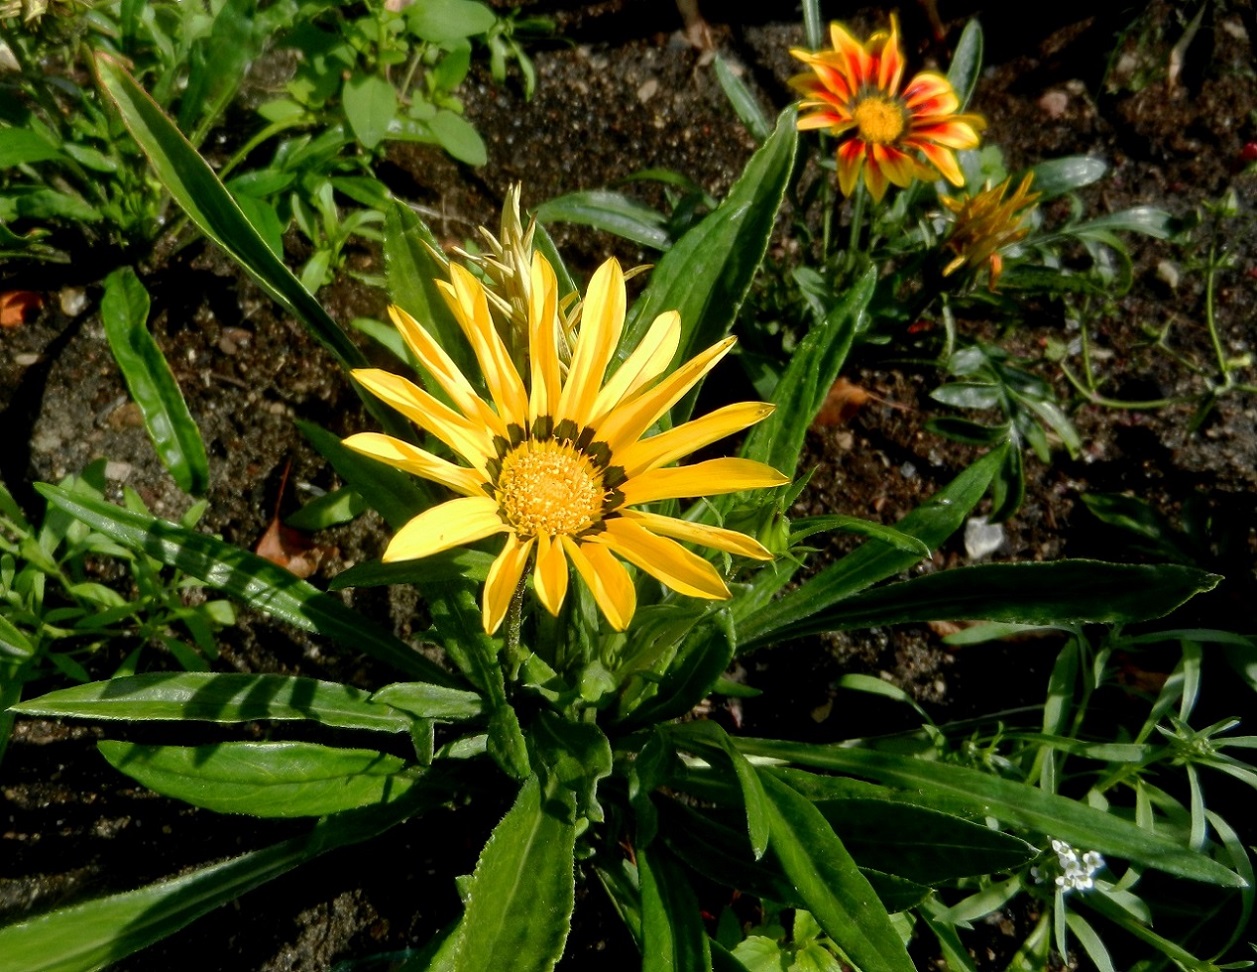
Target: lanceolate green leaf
x=612 y=212
x=519 y=904
x=813 y=367
x=830 y=883
x=265 y=779
x=932 y=522
x=124 y=310
x=195 y=187
x=706 y=275
x=1067 y=591
x=394 y=495
x=460 y=564
x=256 y=581
x=673 y=935
x=1012 y=803
x=95 y=934
x=412 y=275
x=226 y=697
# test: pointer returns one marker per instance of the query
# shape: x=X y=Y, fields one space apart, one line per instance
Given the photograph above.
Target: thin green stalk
x=857 y=216
x=270 y=131
x=1212 y=323
x=513 y=654
x=1097 y=399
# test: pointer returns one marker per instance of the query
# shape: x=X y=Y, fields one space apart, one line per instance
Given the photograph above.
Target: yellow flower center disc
x=550 y=487
x=879 y=120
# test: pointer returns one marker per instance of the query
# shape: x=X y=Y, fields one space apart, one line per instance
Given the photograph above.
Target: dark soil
x=621 y=91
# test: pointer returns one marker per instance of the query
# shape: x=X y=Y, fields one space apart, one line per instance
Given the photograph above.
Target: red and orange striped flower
x=891 y=136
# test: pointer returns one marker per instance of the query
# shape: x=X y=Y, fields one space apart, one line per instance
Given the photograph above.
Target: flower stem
x=513 y=654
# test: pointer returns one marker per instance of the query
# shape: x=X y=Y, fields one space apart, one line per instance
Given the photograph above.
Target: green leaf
x=218 y=63
x=932 y=522
x=808 y=526
x=1013 y=803
x=390 y=492
x=707 y=274
x=577 y=756
x=611 y=212
x=520 y=899
x=264 y=779
x=1148 y=220
x=370 y=104
x=329 y=510
x=813 y=368
x=835 y=892
x=458 y=137
x=1059 y=176
x=441 y=21
x=195 y=187
x=703 y=657
x=707 y=738
x=21 y=146
x=256 y=581
x=124 y=310
x=966 y=64
x=227 y=697
x=423 y=700
x=92 y=935
x=673 y=934
x=452 y=565
x=412 y=275
x=744 y=103
x=921 y=844
x=1064 y=592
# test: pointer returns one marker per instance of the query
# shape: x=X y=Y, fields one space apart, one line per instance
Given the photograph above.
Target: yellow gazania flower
x=987 y=223
x=559 y=462
x=853 y=93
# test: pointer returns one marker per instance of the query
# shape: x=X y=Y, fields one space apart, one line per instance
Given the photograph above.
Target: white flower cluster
x=1077 y=872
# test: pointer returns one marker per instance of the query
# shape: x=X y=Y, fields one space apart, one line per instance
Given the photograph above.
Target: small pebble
x=981 y=538
x=73 y=301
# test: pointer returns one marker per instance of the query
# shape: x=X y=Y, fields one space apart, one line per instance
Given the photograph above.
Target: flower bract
x=557 y=458
x=887 y=134
x=986 y=223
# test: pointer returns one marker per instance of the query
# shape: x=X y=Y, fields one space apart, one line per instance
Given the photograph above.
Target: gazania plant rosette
x=558 y=459
x=890 y=135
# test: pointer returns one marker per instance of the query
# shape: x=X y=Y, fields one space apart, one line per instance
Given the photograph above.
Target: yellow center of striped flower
x=879 y=120
x=550 y=487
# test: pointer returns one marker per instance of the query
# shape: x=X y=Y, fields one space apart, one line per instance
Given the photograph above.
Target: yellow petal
x=442 y=368
x=606 y=578
x=418 y=462
x=664 y=559
x=631 y=419
x=471 y=440
x=504 y=575
x=602 y=320
x=707 y=478
x=542 y=337
x=669 y=446
x=452 y=524
x=649 y=360
x=466 y=297
x=702 y=534
x=550 y=574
